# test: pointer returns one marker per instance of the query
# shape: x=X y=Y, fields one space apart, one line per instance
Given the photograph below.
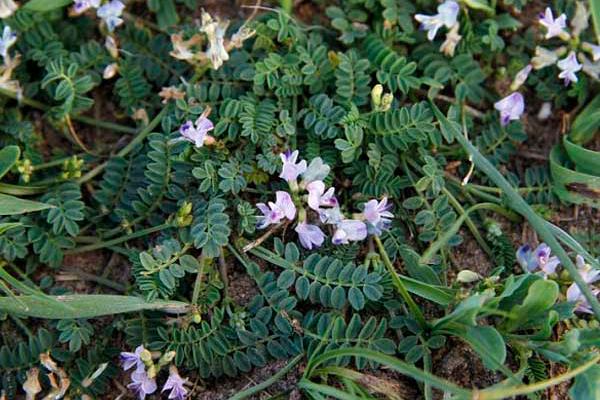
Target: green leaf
x=570 y=185
x=10 y=205
x=8 y=157
x=540 y=298
x=479 y=5
x=587 y=384
x=587 y=122
x=83 y=306
x=5 y=226
x=45 y=5
x=488 y=343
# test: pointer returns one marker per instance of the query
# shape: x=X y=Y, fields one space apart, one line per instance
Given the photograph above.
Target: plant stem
x=125 y=238
x=198 y=282
x=412 y=306
x=139 y=138
x=468 y=221
x=265 y=384
x=97 y=279
x=81 y=118
x=510 y=392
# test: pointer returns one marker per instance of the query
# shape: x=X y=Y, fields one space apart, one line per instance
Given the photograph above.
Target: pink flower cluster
x=311 y=191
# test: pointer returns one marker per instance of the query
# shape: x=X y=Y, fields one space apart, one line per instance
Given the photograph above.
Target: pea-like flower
x=446 y=16
x=511 y=107
x=318 y=197
x=291 y=169
x=81 y=6
x=540 y=258
x=554 y=27
x=175 y=383
x=574 y=294
x=377 y=215
x=129 y=360
x=569 y=66
x=310 y=235
x=349 y=230
x=9 y=38
x=110 y=13
x=544 y=58
x=273 y=213
x=317 y=170
x=196 y=132
x=593 y=49
x=142 y=384
x=521 y=77
x=215 y=32
x=7 y=8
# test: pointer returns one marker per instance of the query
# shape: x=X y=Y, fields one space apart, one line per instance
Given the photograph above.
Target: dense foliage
x=335 y=163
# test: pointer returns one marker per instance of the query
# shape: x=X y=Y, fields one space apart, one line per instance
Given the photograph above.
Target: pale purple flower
x=9 y=38
x=569 y=66
x=377 y=215
x=540 y=258
x=111 y=14
x=275 y=212
x=521 y=77
x=317 y=171
x=310 y=235
x=511 y=107
x=81 y=6
x=554 y=27
x=196 y=133
x=331 y=216
x=349 y=230
x=446 y=16
x=318 y=197
x=291 y=169
x=142 y=384
x=129 y=360
x=592 y=48
x=175 y=384
x=589 y=275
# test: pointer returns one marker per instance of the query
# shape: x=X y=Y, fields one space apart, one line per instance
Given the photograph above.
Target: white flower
x=317 y=171
x=591 y=68
x=544 y=57
x=318 y=197
x=569 y=66
x=521 y=77
x=349 y=230
x=81 y=6
x=574 y=294
x=377 y=215
x=111 y=13
x=554 y=27
x=511 y=107
x=196 y=133
x=452 y=40
x=291 y=169
x=545 y=111
x=593 y=49
x=580 y=20
x=9 y=38
x=446 y=16
x=273 y=213
x=215 y=32
x=110 y=71
x=7 y=8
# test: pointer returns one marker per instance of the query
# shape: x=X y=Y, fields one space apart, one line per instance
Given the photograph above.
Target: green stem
x=97 y=279
x=263 y=385
x=518 y=204
x=81 y=118
x=468 y=221
x=329 y=391
x=125 y=150
x=511 y=392
x=122 y=239
x=22 y=190
x=198 y=282
x=427 y=366
x=412 y=306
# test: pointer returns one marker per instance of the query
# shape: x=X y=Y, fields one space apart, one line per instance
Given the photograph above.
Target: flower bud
x=110 y=71
x=386 y=101
x=467 y=276
x=166 y=358
x=376 y=93
x=146 y=356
